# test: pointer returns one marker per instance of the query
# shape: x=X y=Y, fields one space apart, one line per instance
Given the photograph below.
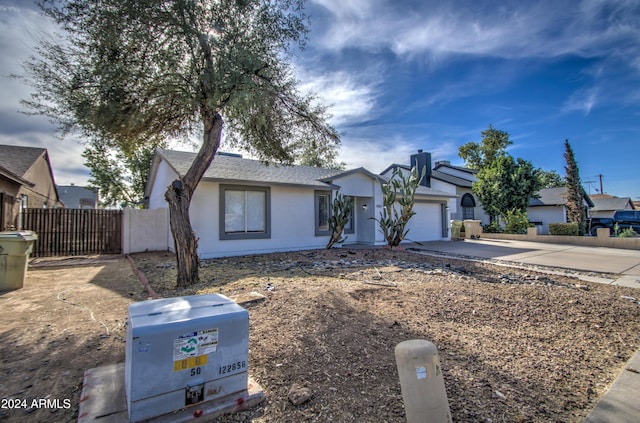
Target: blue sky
x=407 y=75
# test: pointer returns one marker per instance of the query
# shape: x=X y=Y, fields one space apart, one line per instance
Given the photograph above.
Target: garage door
x=426 y=224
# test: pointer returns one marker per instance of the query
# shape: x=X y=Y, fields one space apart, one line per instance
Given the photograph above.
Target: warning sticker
x=195 y=344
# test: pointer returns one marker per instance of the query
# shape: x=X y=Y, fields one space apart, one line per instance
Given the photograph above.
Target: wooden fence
x=72 y=232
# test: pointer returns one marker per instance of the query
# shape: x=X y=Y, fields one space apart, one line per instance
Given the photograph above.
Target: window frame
x=316 y=212
x=468 y=213
x=223 y=235
x=468 y=204
x=352 y=216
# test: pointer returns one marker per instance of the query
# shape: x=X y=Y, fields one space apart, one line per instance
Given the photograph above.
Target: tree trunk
x=178 y=196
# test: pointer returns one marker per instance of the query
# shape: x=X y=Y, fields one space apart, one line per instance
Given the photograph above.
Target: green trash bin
x=15 y=248
x=456 y=228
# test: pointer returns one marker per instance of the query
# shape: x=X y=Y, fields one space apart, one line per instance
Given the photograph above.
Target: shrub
x=492 y=228
x=517 y=222
x=570 y=229
x=627 y=233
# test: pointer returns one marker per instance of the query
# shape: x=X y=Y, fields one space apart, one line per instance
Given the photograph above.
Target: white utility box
x=185 y=350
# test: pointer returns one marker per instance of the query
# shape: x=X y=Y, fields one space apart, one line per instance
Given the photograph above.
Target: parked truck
x=622 y=218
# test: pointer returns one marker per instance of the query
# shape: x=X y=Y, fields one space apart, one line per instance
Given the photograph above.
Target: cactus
x=401 y=190
x=342 y=206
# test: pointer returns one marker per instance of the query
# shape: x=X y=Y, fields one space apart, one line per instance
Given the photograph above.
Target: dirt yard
x=515 y=345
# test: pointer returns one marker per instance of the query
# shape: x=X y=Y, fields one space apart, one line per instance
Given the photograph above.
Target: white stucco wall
x=546 y=215
x=145 y=230
x=164 y=176
x=356 y=184
x=292 y=223
x=365 y=190
x=450 y=189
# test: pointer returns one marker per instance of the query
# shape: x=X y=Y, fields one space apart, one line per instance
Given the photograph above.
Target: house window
x=467 y=204
x=245 y=212
x=322 y=212
x=349 y=228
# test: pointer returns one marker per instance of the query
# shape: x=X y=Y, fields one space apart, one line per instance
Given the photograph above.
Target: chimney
x=422 y=160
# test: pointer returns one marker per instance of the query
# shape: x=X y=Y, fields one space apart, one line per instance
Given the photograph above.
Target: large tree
x=493 y=145
x=134 y=70
x=551 y=179
x=504 y=184
x=120 y=175
x=575 y=193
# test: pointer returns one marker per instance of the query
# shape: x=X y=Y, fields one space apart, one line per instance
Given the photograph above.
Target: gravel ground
x=515 y=345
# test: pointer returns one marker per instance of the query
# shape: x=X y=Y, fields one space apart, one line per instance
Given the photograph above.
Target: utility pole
x=600 y=175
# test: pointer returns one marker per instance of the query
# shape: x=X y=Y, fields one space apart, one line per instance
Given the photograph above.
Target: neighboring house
x=26 y=180
x=455 y=180
x=605 y=205
x=468 y=207
x=76 y=197
x=244 y=206
x=551 y=207
x=458 y=180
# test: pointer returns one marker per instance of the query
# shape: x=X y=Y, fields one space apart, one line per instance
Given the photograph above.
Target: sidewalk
x=621 y=403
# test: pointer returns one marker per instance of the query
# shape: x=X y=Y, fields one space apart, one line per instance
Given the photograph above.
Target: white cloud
x=19 y=27
x=349 y=100
x=512 y=29
x=582 y=101
x=376 y=156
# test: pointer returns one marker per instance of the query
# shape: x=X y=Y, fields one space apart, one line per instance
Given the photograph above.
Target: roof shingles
x=17 y=159
x=236 y=169
x=228 y=168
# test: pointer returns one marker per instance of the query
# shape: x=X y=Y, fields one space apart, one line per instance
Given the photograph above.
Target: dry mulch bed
x=515 y=345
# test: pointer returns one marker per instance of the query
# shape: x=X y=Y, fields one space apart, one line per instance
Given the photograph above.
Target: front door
x=365 y=228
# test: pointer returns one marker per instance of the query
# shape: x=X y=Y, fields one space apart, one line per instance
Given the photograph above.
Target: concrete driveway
x=590 y=259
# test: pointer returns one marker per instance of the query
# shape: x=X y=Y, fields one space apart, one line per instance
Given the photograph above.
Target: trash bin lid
x=18 y=236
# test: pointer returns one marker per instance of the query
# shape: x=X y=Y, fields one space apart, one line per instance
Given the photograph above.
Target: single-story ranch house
x=551 y=207
x=244 y=206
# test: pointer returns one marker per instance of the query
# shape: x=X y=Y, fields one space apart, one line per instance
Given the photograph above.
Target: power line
x=589 y=183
